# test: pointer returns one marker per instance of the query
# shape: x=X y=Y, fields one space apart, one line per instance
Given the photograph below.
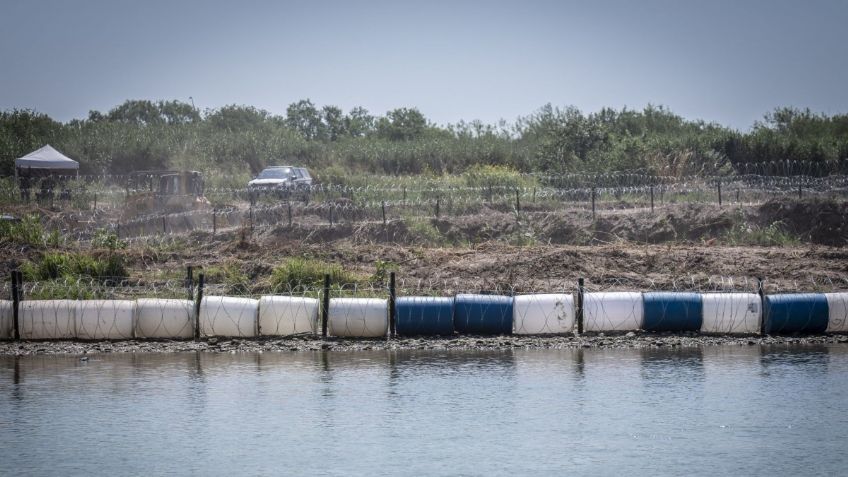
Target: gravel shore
x=311 y=343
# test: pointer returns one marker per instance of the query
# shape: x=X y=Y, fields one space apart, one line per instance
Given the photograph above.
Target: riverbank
x=310 y=343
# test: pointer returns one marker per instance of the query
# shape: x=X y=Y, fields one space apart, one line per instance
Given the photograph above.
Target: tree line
x=235 y=140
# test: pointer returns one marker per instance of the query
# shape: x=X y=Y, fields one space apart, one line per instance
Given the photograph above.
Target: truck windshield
x=276 y=173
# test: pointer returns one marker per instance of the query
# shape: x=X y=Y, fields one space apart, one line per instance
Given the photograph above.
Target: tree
x=305 y=118
x=334 y=123
x=359 y=122
x=402 y=124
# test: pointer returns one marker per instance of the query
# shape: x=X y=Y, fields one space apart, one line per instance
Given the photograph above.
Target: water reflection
x=727 y=409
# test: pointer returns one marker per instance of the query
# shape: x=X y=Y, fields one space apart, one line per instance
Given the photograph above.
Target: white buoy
x=7 y=319
x=164 y=318
x=47 y=319
x=287 y=315
x=731 y=313
x=228 y=316
x=612 y=311
x=105 y=319
x=358 y=317
x=543 y=314
x=837 y=304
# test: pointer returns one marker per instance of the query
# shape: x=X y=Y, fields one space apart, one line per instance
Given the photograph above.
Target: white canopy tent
x=46 y=159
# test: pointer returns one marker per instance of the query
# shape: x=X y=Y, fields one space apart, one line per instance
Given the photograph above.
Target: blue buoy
x=423 y=315
x=795 y=313
x=672 y=311
x=483 y=314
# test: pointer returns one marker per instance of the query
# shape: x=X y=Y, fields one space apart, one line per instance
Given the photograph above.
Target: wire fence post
x=517 y=201
x=383 y=208
x=718 y=184
x=331 y=215
x=251 y=217
x=580 y=306
x=737 y=195
x=325 y=308
x=16 y=301
x=214 y=221
x=593 y=203
x=201 y=282
x=289 y=211
x=762 y=305
x=95 y=201
x=164 y=225
x=437 y=206
x=800 y=192
x=392 y=309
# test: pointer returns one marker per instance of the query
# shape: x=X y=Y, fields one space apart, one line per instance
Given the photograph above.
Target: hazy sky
x=724 y=61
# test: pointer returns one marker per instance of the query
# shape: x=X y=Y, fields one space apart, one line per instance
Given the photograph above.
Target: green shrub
x=53 y=266
x=306 y=273
x=27 y=231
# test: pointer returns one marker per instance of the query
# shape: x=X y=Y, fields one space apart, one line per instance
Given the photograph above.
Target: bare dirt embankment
x=796 y=246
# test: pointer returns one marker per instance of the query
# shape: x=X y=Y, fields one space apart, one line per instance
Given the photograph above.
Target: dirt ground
x=676 y=247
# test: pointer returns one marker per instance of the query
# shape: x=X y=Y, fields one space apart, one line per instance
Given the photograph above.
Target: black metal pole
x=534 y=195
x=95 y=201
x=214 y=222
x=383 y=208
x=800 y=192
x=517 y=201
x=437 y=207
x=762 y=305
x=392 y=309
x=579 y=306
x=719 y=192
x=164 y=224
x=593 y=203
x=325 y=309
x=289 y=213
x=16 y=301
x=201 y=281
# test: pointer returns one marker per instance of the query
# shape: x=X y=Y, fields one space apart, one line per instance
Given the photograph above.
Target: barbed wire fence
x=86 y=209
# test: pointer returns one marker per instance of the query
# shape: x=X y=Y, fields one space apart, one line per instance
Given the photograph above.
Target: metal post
x=404 y=194
x=251 y=218
x=762 y=305
x=517 y=201
x=534 y=195
x=325 y=309
x=384 y=212
x=95 y=201
x=289 y=213
x=437 y=207
x=719 y=193
x=593 y=203
x=800 y=192
x=331 y=215
x=652 y=198
x=579 y=306
x=392 y=309
x=16 y=301
x=737 y=195
x=164 y=225
x=201 y=281
x=214 y=221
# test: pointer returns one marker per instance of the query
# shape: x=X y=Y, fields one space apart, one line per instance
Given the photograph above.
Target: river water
x=723 y=410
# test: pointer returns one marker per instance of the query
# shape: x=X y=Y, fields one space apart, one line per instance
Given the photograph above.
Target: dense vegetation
x=234 y=141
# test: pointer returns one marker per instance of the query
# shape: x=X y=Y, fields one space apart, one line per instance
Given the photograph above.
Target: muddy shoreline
x=471 y=343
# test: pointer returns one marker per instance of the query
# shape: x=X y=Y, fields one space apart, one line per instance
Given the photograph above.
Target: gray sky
x=723 y=61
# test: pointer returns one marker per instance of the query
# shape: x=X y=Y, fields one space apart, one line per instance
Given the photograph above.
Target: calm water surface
x=711 y=411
